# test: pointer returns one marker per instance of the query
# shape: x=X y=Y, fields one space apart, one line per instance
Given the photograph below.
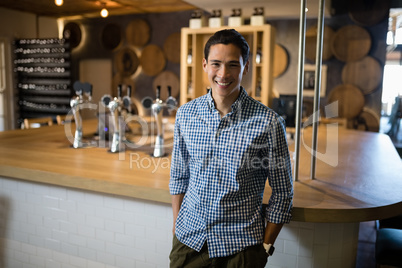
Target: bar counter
x=359 y=181
x=63 y=205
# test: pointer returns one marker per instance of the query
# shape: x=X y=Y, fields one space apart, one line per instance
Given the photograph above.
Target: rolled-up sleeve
x=280 y=175
x=179 y=170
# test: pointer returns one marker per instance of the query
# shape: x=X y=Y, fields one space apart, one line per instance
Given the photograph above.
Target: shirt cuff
x=278 y=217
x=177 y=188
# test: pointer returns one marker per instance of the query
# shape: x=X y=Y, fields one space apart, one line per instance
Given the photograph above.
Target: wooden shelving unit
x=258 y=82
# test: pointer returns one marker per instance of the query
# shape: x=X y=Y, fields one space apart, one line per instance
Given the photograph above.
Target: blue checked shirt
x=222 y=164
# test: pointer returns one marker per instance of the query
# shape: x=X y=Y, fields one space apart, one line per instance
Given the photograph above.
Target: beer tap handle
x=129 y=91
x=119 y=91
x=169 y=91
x=171 y=102
x=158 y=92
x=127 y=99
x=89 y=92
x=77 y=88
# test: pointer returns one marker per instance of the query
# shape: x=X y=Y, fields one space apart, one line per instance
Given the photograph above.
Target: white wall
x=16 y=25
x=48 y=28
x=97 y=72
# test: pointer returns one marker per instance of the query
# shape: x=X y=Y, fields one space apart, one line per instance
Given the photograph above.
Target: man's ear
x=204 y=64
x=245 y=71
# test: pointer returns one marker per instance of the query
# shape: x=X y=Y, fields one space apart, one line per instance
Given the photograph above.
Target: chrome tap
x=117 y=106
x=81 y=90
x=157 y=109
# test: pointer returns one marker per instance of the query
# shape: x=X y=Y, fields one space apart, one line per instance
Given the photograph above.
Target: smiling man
x=226 y=146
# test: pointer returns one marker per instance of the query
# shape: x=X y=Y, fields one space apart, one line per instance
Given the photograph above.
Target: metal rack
x=43 y=77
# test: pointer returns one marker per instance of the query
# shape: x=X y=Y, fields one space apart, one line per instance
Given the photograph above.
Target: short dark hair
x=226 y=37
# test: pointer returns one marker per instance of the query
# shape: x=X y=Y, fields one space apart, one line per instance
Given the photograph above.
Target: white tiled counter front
x=55 y=227
x=308 y=245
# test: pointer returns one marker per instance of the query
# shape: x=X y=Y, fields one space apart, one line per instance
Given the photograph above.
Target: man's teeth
x=222 y=84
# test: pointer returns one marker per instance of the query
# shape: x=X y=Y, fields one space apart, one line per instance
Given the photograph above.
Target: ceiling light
x=104 y=13
x=58 y=2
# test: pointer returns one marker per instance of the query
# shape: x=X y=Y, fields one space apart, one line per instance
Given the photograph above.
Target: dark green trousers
x=182 y=256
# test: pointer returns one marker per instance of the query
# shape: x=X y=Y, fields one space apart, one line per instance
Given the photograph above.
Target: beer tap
x=117 y=107
x=81 y=90
x=157 y=109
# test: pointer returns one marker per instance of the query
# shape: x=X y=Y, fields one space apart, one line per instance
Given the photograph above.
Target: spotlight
x=58 y=2
x=104 y=13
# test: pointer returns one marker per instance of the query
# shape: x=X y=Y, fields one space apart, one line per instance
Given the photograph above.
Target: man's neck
x=224 y=105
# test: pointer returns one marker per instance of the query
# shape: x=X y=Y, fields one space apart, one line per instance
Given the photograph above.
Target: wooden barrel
x=171 y=47
x=351 y=43
x=366 y=74
x=165 y=79
x=368 y=13
x=111 y=36
x=281 y=60
x=72 y=32
x=152 y=60
x=311 y=43
x=350 y=100
x=126 y=61
x=367 y=120
x=138 y=32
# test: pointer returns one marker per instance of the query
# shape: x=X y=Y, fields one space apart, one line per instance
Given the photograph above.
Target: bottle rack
x=43 y=77
x=258 y=82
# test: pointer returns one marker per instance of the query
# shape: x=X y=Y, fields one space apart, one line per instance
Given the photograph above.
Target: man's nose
x=223 y=71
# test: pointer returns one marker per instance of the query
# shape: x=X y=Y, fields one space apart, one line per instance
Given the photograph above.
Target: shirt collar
x=239 y=101
x=236 y=105
x=210 y=100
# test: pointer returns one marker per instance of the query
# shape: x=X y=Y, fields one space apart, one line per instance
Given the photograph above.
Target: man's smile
x=223 y=84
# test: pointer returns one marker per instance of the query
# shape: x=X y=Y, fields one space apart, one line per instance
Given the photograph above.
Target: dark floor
x=366 y=248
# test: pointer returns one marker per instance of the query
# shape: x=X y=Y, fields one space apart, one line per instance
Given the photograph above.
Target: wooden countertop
x=361 y=181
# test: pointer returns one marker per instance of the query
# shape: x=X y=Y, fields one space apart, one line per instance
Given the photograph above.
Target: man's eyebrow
x=232 y=61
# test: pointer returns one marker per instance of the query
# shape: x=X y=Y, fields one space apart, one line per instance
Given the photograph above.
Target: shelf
x=56 y=92
x=261 y=40
x=47 y=100
x=56 y=83
x=26 y=75
x=49 y=108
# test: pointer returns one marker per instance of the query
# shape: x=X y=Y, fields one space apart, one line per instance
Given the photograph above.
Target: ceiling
x=91 y=8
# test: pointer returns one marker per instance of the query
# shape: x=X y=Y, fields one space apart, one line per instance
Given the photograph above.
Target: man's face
x=225 y=69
